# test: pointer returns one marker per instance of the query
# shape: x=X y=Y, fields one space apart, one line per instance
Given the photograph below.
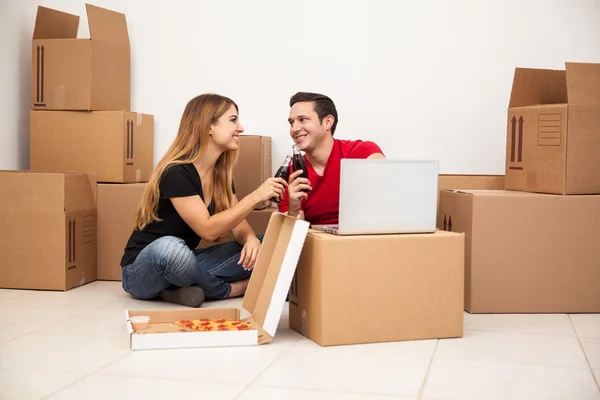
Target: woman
x=190 y=197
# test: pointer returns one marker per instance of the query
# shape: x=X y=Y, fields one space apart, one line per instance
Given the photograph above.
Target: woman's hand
x=250 y=253
x=272 y=187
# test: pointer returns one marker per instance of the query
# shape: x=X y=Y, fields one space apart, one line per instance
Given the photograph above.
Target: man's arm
x=298 y=215
x=366 y=149
x=376 y=155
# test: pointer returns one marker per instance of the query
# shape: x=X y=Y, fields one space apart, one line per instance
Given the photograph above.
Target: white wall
x=423 y=79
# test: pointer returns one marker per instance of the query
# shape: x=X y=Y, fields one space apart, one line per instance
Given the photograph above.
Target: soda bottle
x=298 y=162
x=283 y=172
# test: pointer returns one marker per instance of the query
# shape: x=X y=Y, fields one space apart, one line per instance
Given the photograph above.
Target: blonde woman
x=191 y=196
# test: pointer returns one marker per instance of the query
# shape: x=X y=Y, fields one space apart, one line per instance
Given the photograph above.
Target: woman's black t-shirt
x=180 y=180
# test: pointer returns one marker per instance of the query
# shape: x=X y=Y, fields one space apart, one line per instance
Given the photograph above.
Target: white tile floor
x=73 y=345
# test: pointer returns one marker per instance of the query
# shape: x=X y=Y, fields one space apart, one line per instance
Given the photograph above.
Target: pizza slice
x=204 y=325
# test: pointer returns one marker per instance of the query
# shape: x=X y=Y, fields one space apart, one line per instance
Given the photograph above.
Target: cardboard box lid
x=583 y=84
x=27 y=191
x=105 y=25
x=274 y=270
x=54 y=24
x=577 y=85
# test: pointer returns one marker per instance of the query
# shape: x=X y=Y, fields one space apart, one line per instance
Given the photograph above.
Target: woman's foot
x=191 y=296
x=238 y=288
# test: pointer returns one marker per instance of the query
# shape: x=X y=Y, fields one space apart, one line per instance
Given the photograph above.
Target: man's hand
x=250 y=253
x=295 y=192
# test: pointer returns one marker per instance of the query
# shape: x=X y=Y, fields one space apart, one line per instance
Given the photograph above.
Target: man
x=313 y=119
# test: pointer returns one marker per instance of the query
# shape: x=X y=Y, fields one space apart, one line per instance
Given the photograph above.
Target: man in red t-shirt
x=313 y=119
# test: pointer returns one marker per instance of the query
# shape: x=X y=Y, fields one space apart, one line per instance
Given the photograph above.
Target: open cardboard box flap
x=264 y=298
x=104 y=25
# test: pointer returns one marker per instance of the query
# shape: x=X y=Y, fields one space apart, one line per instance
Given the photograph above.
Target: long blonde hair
x=189 y=145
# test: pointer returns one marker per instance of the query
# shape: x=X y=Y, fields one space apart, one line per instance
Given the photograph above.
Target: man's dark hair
x=322 y=105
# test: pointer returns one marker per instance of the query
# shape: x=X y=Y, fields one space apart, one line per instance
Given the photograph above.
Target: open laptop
x=379 y=196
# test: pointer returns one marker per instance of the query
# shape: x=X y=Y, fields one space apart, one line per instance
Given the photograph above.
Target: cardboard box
x=117 y=204
x=488 y=182
x=47 y=230
x=379 y=288
x=264 y=298
x=526 y=252
x=117 y=145
x=253 y=166
x=552 y=136
x=258 y=220
x=80 y=74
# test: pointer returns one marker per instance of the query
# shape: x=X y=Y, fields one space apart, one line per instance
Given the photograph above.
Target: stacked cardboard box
x=47 y=230
x=81 y=132
x=81 y=118
x=253 y=166
x=533 y=247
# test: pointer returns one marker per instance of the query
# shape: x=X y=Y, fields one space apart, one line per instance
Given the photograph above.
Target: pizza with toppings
x=204 y=325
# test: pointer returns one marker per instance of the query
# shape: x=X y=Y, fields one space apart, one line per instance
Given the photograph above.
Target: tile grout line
x=237 y=396
x=422 y=389
x=86 y=375
x=38 y=330
x=336 y=391
x=518 y=333
x=587 y=360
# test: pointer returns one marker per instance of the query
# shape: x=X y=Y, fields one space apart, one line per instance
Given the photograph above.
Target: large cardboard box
x=117 y=204
x=117 y=145
x=253 y=166
x=379 y=288
x=526 y=252
x=552 y=136
x=80 y=74
x=264 y=299
x=47 y=230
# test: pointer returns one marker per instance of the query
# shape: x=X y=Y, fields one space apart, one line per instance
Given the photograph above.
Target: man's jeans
x=168 y=262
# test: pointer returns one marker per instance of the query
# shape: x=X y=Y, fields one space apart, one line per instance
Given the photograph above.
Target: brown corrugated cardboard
x=253 y=166
x=264 y=298
x=47 y=230
x=80 y=74
x=258 y=220
x=526 y=252
x=552 y=141
x=117 y=145
x=117 y=204
x=379 y=288
x=487 y=182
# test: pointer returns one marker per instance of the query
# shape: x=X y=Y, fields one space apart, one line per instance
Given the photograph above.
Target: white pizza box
x=264 y=299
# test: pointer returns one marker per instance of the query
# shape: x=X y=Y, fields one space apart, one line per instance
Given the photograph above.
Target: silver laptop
x=379 y=196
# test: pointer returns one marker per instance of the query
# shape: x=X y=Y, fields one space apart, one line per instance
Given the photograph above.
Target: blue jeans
x=168 y=262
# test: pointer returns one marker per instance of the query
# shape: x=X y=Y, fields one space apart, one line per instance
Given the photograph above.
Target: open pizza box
x=264 y=299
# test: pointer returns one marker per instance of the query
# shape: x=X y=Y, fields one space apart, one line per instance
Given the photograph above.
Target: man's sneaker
x=191 y=296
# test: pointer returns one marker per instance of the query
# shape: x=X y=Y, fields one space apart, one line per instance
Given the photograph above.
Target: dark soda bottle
x=298 y=162
x=283 y=172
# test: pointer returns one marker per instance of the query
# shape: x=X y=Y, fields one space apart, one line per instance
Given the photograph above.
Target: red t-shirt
x=323 y=202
